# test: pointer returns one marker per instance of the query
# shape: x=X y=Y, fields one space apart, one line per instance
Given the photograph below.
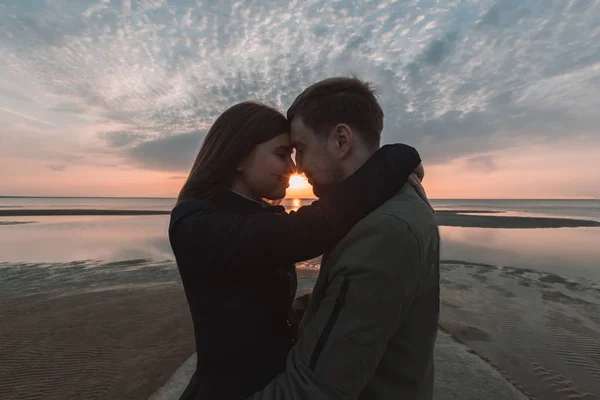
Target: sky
x=114 y=97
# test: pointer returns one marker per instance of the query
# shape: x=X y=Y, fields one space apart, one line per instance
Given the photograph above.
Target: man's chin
x=319 y=190
x=322 y=190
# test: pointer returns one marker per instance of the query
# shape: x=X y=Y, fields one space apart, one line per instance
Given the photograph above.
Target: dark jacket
x=372 y=321
x=235 y=258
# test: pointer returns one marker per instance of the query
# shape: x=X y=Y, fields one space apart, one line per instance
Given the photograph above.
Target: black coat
x=235 y=257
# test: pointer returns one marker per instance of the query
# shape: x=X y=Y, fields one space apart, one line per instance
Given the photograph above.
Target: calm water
x=570 y=252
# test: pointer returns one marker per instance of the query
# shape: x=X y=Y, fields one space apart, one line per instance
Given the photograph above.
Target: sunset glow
x=110 y=99
x=298 y=182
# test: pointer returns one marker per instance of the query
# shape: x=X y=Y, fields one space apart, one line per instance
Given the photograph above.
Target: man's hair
x=338 y=100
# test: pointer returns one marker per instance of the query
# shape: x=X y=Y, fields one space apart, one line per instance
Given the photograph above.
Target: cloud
x=57 y=168
x=483 y=162
x=120 y=139
x=457 y=79
x=93 y=9
x=437 y=50
x=172 y=153
x=70 y=108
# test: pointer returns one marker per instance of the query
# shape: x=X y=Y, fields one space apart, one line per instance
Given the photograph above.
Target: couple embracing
x=369 y=327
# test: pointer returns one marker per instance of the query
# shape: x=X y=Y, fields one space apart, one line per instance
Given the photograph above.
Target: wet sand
x=492 y=219
x=112 y=344
x=107 y=330
x=542 y=330
x=80 y=341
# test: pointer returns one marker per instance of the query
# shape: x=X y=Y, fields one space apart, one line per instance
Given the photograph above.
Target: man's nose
x=299 y=169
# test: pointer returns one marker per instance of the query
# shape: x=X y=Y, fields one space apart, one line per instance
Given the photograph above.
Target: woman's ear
x=240 y=168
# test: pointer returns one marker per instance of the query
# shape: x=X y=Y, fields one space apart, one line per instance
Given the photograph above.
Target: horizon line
x=293 y=198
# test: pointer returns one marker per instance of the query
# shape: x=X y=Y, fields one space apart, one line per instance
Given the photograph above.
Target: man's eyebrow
x=285 y=147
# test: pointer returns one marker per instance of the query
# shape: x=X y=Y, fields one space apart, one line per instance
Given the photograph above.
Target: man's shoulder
x=393 y=220
x=405 y=207
x=405 y=219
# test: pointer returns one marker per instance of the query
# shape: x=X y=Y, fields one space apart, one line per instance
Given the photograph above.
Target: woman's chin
x=278 y=195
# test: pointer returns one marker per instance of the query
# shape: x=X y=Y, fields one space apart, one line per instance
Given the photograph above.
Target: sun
x=298 y=182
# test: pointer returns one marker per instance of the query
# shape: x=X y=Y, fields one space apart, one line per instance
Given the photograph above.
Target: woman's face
x=265 y=173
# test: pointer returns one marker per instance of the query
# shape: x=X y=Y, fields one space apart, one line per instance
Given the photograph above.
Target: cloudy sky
x=113 y=97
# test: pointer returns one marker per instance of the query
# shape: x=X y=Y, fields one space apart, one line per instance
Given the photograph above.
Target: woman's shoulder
x=217 y=218
x=195 y=211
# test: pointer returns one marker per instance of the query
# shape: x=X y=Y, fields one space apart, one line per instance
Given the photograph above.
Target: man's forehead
x=299 y=131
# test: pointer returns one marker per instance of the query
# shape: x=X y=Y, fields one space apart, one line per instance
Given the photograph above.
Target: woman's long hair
x=229 y=141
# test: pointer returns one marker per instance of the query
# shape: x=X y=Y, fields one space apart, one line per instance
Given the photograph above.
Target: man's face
x=314 y=158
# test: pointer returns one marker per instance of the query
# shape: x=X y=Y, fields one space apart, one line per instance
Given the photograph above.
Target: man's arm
x=344 y=341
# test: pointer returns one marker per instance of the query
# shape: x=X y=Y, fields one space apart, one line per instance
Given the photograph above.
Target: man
x=371 y=325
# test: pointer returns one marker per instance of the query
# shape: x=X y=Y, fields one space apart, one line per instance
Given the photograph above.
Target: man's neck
x=357 y=159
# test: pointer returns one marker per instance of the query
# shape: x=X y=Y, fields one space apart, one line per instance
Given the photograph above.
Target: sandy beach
x=108 y=344
x=100 y=329
x=541 y=329
x=119 y=330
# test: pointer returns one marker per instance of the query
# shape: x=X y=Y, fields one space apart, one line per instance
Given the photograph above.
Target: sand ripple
x=543 y=330
x=101 y=345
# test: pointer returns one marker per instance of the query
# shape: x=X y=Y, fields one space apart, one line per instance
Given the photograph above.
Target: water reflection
x=296 y=203
x=568 y=252
x=67 y=238
x=564 y=251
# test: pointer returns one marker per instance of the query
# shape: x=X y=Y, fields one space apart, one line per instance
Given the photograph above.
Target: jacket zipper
x=339 y=303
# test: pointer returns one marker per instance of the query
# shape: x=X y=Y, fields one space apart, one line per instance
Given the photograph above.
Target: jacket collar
x=237 y=202
x=226 y=200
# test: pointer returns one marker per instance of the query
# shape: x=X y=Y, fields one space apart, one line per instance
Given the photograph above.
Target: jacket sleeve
x=313 y=229
x=345 y=337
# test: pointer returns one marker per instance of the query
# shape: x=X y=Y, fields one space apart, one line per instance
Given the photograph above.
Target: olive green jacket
x=371 y=324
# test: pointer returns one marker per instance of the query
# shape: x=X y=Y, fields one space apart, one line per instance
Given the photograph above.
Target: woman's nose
x=292 y=167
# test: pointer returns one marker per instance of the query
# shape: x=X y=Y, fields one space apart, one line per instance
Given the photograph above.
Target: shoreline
x=76 y=212
x=493 y=219
x=455 y=218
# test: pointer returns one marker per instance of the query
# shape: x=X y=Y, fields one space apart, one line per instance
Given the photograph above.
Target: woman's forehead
x=281 y=140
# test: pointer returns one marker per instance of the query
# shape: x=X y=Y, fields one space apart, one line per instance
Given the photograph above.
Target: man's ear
x=343 y=139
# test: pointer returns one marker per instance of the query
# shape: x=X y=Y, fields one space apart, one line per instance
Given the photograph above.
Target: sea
x=570 y=252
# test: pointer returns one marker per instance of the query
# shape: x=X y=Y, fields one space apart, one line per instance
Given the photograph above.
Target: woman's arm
x=313 y=229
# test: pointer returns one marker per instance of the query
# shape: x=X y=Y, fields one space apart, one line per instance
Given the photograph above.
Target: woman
x=236 y=253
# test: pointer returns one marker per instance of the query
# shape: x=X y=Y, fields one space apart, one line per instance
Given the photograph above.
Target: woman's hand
x=415 y=181
x=420 y=171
